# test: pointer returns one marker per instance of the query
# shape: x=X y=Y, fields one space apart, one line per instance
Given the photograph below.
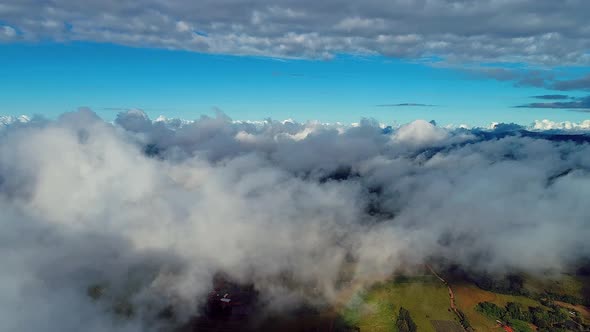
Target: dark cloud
x=525 y=77
x=531 y=31
x=520 y=77
x=552 y=97
x=578 y=103
x=405 y=104
x=582 y=83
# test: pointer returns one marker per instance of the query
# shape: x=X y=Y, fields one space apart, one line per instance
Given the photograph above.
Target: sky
x=455 y=62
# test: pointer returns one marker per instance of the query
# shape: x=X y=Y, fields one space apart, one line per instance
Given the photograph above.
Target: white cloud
x=7 y=32
x=182 y=26
x=154 y=208
x=565 y=125
x=420 y=133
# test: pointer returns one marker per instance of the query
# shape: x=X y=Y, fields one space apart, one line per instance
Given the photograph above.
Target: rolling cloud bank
x=154 y=209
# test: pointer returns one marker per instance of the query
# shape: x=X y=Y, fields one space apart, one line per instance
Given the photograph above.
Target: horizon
x=538 y=125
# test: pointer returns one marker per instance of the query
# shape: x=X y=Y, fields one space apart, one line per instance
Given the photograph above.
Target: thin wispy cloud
x=538 y=78
x=406 y=105
x=552 y=97
x=582 y=83
x=578 y=103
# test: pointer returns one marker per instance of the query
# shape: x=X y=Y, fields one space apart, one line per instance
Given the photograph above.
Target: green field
x=562 y=284
x=376 y=309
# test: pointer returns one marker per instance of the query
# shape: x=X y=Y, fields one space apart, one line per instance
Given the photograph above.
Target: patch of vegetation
x=490 y=309
x=564 y=288
x=516 y=311
x=468 y=296
x=511 y=284
x=404 y=322
x=519 y=317
x=566 y=298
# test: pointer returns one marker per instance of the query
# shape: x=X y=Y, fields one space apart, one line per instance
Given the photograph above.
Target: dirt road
x=458 y=313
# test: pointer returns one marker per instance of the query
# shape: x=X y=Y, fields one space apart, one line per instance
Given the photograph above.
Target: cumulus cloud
x=151 y=210
x=420 y=133
x=532 y=31
x=564 y=125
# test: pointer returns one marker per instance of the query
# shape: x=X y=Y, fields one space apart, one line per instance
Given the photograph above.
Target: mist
x=153 y=210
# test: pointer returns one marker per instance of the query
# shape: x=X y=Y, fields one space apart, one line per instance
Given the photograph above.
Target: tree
x=404 y=322
x=402 y=326
x=516 y=311
x=491 y=309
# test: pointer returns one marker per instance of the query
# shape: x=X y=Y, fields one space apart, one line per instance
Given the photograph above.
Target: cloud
x=577 y=103
x=521 y=77
x=405 y=104
x=530 y=31
x=582 y=83
x=552 y=97
x=182 y=26
x=7 y=32
x=549 y=79
x=149 y=211
x=565 y=125
x=421 y=133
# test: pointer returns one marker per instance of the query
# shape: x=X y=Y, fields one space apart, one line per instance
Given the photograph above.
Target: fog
x=152 y=210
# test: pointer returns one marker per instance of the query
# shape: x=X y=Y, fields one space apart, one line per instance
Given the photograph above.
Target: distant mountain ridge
x=546 y=127
x=6 y=120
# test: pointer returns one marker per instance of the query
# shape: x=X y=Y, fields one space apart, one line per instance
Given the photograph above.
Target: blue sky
x=468 y=62
x=52 y=78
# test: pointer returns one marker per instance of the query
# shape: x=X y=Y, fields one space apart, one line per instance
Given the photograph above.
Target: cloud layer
x=531 y=31
x=152 y=210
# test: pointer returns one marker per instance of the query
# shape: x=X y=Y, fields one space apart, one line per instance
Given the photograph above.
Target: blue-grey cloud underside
x=530 y=31
x=577 y=104
x=552 y=97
